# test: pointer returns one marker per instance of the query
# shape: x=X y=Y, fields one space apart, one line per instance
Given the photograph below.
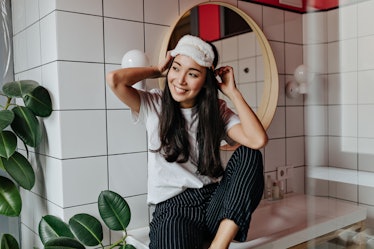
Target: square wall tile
x=295 y=149
x=118 y=41
x=80 y=134
x=128 y=174
x=31 y=11
x=294 y=57
x=124 y=9
x=294 y=121
x=33 y=46
x=155 y=36
x=365 y=195
x=317 y=90
x=167 y=15
x=333 y=25
x=48 y=38
x=293 y=27
x=343 y=88
x=343 y=152
x=277 y=126
x=275 y=154
x=365 y=50
x=79 y=37
x=279 y=55
x=296 y=184
x=53 y=139
x=365 y=154
x=77 y=191
x=365 y=87
x=247 y=45
x=316 y=120
x=342 y=56
x=93 y=7
x=348 y=22
x=365 y=18
x=343 y=120
x=248 y=91
x=75 y=85
x=315 y=56
x=18 y=15
x=365 y=121
x=247 y=70
x=26 y=46
x=20 y=52
x=316 y=151
x=124 y=135
x=229 y=50
x=80 y=86
x=273 y=25
x=315 y=28
x=52 y=189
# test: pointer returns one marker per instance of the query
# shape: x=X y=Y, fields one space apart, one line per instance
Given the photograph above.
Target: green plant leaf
x=39 y=102
x=128 y=246
x=19 y=88
x=63 y=243
x=10 y=198
x=20 y=169
x=26 y=126
x=8 y=242
x=6 y=118
x=87 y=229
x=52 y=227
x=114 y=210
x=8 y=143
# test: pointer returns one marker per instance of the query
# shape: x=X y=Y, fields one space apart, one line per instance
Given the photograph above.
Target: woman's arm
x=122 y=80
x=250 y=131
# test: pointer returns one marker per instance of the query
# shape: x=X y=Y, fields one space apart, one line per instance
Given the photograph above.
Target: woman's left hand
x=226 y=73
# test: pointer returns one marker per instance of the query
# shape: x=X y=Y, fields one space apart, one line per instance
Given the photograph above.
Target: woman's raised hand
x=226 y=73
x=164 y=64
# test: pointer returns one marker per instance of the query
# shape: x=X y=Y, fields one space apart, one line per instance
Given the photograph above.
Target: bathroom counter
x=289 y=222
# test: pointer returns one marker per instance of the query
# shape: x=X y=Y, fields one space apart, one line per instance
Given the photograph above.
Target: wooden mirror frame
x=269 y=99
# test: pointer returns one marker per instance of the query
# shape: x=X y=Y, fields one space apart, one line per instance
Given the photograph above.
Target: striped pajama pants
x=191 y=218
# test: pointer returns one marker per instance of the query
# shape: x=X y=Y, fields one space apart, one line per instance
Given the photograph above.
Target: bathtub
x=288 y=222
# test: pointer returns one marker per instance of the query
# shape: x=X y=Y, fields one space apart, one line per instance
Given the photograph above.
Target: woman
x=197 y=200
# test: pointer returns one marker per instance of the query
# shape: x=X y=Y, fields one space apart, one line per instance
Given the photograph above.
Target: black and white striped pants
x=191 y=218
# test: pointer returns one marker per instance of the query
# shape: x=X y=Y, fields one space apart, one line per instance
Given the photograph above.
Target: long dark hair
x=175 y=144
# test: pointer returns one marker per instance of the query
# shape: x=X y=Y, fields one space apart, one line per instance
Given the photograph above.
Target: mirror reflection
x=237 y=45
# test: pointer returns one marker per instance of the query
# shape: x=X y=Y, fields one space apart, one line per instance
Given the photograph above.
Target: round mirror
x=241 y=44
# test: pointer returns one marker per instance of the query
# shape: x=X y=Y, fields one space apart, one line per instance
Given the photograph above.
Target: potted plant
x=19 y=122
x=85 y=230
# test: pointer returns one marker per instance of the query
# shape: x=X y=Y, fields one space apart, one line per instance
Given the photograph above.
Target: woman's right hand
x=164 y=65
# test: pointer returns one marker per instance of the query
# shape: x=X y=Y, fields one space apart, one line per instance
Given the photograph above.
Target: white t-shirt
x=166 y=179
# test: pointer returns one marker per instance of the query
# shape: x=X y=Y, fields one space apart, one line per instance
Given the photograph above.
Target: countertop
x=287 y=222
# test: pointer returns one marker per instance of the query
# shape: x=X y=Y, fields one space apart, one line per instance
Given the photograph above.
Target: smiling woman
x=193 y=22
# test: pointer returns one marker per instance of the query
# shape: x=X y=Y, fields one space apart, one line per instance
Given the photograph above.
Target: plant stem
x=7 y=103
x=117 y=243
